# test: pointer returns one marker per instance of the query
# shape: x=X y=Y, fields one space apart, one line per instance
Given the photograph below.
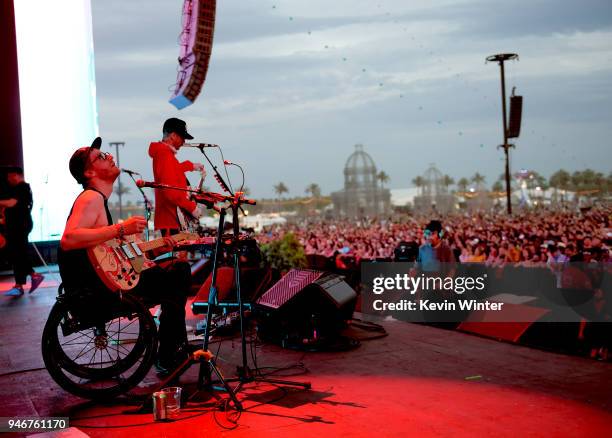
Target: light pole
x=119 y=188
x=500 y=58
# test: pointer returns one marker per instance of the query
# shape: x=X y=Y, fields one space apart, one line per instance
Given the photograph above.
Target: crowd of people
x=530 y=238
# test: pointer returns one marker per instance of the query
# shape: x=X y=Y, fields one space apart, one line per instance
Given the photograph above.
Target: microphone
x=228 y=162
x=130 y=172
x=140 y=183
x=200 y=145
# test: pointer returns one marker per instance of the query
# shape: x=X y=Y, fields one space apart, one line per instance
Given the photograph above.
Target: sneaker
x=162 y=369
x=16 y=291
x=167 y=366
x=37 y=279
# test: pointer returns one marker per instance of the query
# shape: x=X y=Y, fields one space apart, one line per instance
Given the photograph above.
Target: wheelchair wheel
x=103 y=356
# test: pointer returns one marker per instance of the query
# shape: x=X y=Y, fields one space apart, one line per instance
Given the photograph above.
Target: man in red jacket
x=168 y=170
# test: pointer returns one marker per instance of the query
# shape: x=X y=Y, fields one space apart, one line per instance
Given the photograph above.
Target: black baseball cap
x=434 y=226
x=79 y=160
x=12 y=169
x=178 y=126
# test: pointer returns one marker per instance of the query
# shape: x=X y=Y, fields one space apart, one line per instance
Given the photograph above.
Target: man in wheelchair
x=89 y=224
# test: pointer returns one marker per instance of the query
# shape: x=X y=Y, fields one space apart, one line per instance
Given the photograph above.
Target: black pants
x=17 y=246
x=168 y=286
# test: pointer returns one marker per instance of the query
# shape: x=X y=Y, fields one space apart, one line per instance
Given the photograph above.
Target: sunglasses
x=100 y=156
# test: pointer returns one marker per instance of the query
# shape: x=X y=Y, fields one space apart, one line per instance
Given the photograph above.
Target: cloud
x=323 y=9
x=384 y=36
x=405 y=76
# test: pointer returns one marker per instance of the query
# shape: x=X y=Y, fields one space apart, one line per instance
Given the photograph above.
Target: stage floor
x=419 y=380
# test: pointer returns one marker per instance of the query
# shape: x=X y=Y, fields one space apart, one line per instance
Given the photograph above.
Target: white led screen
x=58 y=102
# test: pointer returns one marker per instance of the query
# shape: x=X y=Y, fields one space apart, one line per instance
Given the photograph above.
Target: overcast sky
x=294 y=85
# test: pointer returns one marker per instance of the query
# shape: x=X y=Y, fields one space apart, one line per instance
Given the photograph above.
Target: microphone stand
x=147 y=204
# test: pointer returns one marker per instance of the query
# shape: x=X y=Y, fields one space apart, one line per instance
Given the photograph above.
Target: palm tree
x=447 y=181
x=462 y=184
x=280 y=188
x=498 y=187
x=419 y=182
x=382 y=177
x=314 y=190
x=478 y=179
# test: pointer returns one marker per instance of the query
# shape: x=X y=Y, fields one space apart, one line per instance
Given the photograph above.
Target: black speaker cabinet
x=516 y=111
x=305 y=306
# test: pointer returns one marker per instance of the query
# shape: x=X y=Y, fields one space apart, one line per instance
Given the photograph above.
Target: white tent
x=402 y=197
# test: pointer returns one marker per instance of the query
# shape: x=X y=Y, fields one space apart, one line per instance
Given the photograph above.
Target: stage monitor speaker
x=516 y=110
x=507 y=324
x=305 y=306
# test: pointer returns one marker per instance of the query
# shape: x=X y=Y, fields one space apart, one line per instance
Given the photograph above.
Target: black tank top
x=75 y=268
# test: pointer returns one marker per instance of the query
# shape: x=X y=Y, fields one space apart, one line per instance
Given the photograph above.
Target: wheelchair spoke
x=76 y=343
x=123 y=333
x=117 y=353
x=119 y=324
x=93 y=356
x=84 y=334
x=108 y=353
x=82 y=353
x=125 y=349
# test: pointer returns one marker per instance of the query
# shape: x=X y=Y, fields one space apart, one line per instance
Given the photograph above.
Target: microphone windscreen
x=140 y=183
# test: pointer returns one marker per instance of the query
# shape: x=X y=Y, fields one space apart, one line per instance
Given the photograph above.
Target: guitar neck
x=158 y=243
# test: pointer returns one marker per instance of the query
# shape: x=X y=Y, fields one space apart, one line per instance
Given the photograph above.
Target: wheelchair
x=98 y=345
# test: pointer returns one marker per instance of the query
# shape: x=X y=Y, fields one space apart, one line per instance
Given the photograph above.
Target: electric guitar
x=187 y=223
x=119 y=263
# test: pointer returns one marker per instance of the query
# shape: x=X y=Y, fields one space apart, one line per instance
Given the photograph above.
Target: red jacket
x=168 y=170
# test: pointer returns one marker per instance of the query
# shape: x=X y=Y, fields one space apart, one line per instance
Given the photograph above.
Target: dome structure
x=360 y=170
x=362 y=194
x=434 y=195
x=433 y=182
